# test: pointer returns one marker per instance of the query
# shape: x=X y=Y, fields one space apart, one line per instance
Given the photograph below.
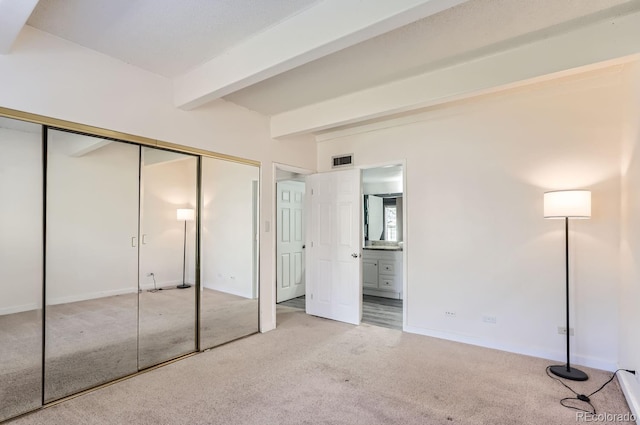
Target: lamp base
x=572 y=373
x=183 y=286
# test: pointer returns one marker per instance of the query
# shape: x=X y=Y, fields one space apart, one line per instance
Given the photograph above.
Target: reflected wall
x=167 y=299
x=20 y=267
x=229 y=291
x=91 y=262
x=105 y=277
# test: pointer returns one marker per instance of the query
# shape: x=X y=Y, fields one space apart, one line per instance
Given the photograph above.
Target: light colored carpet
x=316 y=371
x=95 y=341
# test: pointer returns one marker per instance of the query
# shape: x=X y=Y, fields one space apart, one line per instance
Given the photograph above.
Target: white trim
x=517 y=349
x=91 y=295
x=631 y=391
x=19 y=308
x=274 y=214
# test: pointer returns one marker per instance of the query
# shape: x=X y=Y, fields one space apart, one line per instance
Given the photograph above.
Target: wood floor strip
x=378 y=311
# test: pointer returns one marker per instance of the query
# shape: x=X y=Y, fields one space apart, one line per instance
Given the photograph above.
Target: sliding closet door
x=92 y=197
x=20 y=267
x=229 y=251
x=167 y=256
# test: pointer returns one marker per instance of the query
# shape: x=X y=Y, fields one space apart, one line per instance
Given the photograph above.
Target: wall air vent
x=341 y=161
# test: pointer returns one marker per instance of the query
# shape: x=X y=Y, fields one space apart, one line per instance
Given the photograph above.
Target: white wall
x=477 y=243
x=20 y=219
x=92 y=214
x=227 y=226
x=167 y=186
x=49 y=76
x=630 y=246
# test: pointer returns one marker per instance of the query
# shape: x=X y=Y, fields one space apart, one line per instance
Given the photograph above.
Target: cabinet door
x=370 y=273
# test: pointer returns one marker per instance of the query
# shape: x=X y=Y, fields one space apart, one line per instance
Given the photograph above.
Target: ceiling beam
x=325 y=28
x=13 y=16
x=588 y=47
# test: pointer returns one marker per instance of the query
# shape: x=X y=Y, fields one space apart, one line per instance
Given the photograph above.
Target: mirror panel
x=229 y=250
x=167 y=298
x=91 y=262
x=20 y=267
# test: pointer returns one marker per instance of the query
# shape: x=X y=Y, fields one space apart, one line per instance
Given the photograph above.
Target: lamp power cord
x=586 y=398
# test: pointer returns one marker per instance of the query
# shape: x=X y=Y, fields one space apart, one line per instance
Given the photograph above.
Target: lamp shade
x=185 y=214
x=567 y=203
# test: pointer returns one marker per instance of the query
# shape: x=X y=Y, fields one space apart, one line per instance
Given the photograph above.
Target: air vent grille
x=341 y=161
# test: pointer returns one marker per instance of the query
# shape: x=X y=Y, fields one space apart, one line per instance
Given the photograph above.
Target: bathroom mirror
x=382 y=204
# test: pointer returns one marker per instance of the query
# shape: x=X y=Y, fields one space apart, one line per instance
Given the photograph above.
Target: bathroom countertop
x=383 y=248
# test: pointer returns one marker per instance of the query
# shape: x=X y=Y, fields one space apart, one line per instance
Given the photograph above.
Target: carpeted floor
x=95 y=341
x=316 y=371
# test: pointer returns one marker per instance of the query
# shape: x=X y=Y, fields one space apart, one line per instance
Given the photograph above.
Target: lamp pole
x=567 y=371
x=184 y=284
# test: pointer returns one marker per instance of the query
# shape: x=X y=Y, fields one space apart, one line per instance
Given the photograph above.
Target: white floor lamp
x=184 y=214
x=567 y=204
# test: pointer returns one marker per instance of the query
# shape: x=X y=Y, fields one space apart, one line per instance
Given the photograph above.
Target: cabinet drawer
x=387 y=268
x=387 y=283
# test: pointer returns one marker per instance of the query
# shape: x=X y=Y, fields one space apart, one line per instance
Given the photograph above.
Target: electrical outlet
x=563 y=331
x=490 y=319
x=450 y=313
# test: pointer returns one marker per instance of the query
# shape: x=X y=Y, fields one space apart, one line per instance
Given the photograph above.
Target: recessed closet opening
x=116 y=255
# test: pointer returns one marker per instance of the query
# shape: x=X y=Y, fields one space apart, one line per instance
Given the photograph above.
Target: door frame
x=405 y=233
x=274 y=234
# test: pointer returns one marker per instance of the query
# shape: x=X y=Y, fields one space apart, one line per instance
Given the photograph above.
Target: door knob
x=355 y=255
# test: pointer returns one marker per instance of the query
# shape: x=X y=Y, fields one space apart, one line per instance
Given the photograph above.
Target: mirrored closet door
x=229 y=251
x=167 y=256
x=20 y=267
x=116 y=257
x=91 y=314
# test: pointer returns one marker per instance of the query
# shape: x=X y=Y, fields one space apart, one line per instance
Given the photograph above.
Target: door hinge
x=312 y=192
x=311 y=296
x=311 y=244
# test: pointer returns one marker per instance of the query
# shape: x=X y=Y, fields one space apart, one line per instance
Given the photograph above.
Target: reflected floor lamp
x=184 y=214
x=567 y=204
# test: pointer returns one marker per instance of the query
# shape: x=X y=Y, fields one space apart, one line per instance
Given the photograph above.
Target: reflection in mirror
x=229 y=297
x=167 y=256
x=20 y=267
x=91 y=262
x=382 y=187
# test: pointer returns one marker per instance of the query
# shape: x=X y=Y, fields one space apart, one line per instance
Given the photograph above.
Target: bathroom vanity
x=382 y=271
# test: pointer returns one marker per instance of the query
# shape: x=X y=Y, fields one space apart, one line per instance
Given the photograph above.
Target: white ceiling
x=472 y=29
x=166 y=37
x=169 y=38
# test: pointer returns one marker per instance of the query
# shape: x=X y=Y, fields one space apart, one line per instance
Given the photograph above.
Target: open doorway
x=379 y=251
x=290 y=237
x=383 y=246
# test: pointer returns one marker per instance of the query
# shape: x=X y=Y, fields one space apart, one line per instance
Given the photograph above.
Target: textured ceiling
x=166 y=37
x=170 y=37
x=472 y=29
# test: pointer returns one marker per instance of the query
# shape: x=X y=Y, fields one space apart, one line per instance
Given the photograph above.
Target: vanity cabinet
x=382 y=273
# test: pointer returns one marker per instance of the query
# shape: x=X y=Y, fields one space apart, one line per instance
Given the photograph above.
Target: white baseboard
x=545 y=354
x=228 y=290
x=631 y=390
x=165 y=284
x=19 y=308
x=91 y=296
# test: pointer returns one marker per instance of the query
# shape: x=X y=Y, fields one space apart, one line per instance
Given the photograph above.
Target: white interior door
x=290 y=246
x=334 y=288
